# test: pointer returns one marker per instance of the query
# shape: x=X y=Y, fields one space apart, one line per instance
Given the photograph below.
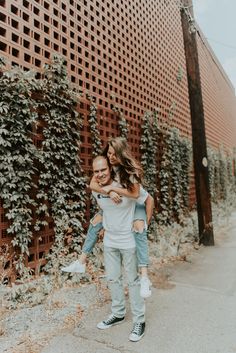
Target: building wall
x=130 y=49
x=218 y=98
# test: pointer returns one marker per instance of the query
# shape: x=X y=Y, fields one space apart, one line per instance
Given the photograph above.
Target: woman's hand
x=116 y=198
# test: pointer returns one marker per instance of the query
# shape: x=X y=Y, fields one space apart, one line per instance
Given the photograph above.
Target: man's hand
x=115 y=197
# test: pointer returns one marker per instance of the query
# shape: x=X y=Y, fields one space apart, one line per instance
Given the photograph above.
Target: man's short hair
x=99 y=158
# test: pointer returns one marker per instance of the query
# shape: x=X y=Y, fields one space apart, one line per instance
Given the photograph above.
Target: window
x=37 y=62
x=27 y=58
x=14 y=9
x=46 y=29
x=36 y=36
x=47 y=42
x=25 y=17
x=46 y=5
x=14 y=37
x=26 y=30
x=36 y=24
x=36 y=11
x=3 y=33
x=26 y=43
x=3 y=46
x=14 y=24
x=37 y=49
x=26 y=3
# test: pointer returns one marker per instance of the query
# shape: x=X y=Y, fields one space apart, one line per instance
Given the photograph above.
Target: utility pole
x=200 y=160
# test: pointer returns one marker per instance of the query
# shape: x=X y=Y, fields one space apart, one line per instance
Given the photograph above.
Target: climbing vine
x=214 y=179
x=61 y=185
x=94 y=128
x=17 y=117
x=47 y=180
x=174 y=176
x=149 y=147
x=165 y=205
x=171 y=174
x=122 y=122
x=221 y=173
x=96 y=144
x=185 y=164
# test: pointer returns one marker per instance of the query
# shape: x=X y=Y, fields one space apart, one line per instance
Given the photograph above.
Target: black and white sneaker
x=138 y=332
x=111 y=321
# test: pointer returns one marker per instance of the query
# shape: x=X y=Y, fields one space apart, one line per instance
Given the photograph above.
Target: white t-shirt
x=117 y=220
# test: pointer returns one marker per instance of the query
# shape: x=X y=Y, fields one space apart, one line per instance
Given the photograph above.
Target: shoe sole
x=106 y=327
x=68 y=271
x=137 y=339
x=146 y=296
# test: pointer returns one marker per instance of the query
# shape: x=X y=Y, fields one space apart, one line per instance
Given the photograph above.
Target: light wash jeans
x=114 y=258
x=140 y=238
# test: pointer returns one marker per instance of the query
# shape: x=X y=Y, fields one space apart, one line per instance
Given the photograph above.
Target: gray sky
x=217 y=20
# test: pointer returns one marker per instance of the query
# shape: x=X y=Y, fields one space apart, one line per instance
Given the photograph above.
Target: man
x=119 y=248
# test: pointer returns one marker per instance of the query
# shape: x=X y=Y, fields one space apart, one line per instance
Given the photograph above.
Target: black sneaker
x=137 y=332
x=111 y=321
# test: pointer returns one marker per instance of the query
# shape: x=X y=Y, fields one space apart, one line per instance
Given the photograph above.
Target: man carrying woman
x=126 y=171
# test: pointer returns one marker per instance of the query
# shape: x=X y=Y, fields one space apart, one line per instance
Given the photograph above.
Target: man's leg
x=131 y=269
x=136 y=301
x=112 y=259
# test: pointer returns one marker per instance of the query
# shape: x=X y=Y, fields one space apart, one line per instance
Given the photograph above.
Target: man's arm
x=134 y=193
x=94 y=186
x=149 y=203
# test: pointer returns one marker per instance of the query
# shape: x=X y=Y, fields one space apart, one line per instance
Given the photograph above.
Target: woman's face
x=111 y=155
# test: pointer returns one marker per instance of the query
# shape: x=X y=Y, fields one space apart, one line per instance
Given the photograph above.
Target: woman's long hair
x=129 y=168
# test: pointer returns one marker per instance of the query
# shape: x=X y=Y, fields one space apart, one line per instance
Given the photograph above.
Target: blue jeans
x=114 y=258
x=91 y=237
x=140 y=237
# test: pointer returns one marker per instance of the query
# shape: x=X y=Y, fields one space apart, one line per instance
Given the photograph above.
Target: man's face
x=102 y=172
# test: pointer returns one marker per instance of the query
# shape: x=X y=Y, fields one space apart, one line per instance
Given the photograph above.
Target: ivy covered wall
x=37 y=184
x=44 y=182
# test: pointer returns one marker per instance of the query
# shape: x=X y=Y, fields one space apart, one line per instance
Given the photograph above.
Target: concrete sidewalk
x=197 y=314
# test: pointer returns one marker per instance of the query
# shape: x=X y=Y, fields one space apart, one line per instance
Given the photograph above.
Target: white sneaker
x=75 y=266
x=110 y=321
x=145 y=290
x=137 y=332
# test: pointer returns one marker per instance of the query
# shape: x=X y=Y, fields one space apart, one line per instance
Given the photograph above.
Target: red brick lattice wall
x=130 y=49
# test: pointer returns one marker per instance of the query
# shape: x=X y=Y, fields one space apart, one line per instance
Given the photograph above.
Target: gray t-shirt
x=117 y=220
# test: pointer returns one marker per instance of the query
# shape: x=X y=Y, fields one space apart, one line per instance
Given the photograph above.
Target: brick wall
x=131 y=49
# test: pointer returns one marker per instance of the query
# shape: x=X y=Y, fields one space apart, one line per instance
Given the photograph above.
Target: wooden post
x=202 y=187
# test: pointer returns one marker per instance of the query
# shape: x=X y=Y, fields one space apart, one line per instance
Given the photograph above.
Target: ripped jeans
x=114 y=258
x=140 y=234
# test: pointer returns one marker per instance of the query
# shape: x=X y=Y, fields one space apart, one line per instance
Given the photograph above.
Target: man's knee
x=133 y=281
x=138 y=226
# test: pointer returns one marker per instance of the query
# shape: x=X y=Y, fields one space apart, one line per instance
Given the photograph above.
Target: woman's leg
x=92 y=236
x=90 y=240
x=140 y=234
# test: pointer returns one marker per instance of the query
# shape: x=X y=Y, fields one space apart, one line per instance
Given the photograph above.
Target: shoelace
x=137 y=328
x=109 y=320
